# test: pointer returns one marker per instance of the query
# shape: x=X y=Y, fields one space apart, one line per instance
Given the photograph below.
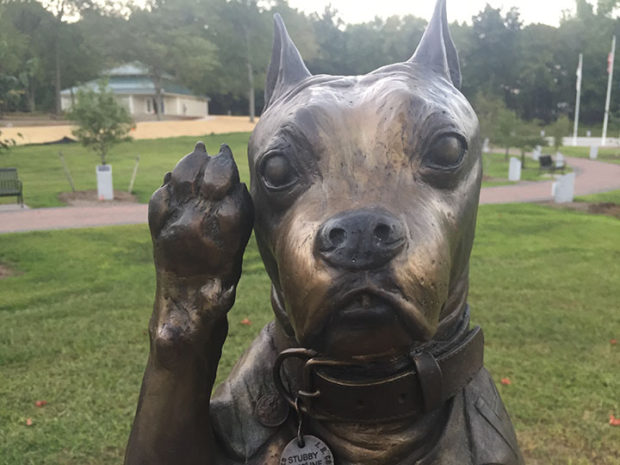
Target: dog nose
x=360 y=239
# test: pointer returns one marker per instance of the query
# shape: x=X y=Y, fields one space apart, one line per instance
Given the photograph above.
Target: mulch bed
x=89 y=198
x=601 y=208
x=5 y=271
x=486 y=178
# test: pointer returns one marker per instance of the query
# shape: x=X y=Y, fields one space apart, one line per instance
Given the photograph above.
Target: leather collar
x=373 y=392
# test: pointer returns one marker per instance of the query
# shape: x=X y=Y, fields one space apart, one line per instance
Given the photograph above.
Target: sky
x=356 y=11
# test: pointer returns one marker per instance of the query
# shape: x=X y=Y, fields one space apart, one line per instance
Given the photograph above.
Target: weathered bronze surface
x=364 y=193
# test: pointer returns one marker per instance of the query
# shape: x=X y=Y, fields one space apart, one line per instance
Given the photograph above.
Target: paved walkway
x=592 y=177
x=17 y=220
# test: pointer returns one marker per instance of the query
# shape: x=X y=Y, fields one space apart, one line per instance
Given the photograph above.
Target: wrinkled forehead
x=397 y=98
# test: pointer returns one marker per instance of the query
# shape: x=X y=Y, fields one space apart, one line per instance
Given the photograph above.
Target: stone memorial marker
x=105 y=190
x=485 y=146
x=514 y=169
x=537 y=153
x=559 y=160
x=594 y=152
x=564 y=190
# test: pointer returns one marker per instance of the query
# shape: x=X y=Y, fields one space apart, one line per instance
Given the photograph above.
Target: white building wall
x=143 y=105
x=170 y=105
x=192 y=106
x=174 y=105
x=124 y=101
x=65 y=102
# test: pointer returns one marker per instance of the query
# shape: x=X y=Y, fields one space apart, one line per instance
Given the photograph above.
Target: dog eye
x=277 y=172
x=447 y=152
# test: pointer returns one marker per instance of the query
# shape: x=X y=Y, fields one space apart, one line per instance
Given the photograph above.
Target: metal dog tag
x=314 y=452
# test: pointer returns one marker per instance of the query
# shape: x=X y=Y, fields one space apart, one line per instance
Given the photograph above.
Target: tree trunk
x=159 y=98
x=57 y=84
x=251 y=103
x=57 y=79
x=31 y=99
x=251 y=92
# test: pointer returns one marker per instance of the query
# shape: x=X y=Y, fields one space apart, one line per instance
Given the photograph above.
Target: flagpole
x=610 y=70
x=578 y=100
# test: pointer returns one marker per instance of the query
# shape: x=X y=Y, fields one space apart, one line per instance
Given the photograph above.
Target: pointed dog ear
x=436 y=49
x=286 y=68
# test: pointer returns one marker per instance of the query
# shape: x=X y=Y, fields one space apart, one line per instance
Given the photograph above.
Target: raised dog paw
x=200 y=222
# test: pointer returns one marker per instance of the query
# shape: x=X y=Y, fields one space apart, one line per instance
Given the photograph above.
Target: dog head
x=366 y=191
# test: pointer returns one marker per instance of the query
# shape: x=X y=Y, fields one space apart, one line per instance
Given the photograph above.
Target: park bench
x=11 y=186
x=546 y=162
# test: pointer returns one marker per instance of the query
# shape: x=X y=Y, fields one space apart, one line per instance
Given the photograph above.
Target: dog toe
x=159 y=208
x=186 y=174
x=220 y=175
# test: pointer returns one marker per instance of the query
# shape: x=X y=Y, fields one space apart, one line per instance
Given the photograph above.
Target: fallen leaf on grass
x=28 y=421
x=506 y=381
x=246 y=322
x=40 y=403
x=613 y=421
x=613 y=342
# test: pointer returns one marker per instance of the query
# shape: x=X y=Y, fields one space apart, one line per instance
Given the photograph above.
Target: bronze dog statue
x=364 y=193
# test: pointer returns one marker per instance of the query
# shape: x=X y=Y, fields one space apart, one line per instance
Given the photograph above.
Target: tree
x=51 y=53
x=243 y=34
x=62 y=10
x=605 y=7
x=497 y=122
x=490 y=65
x=527 y=136
x=170 y=41
x=559 y=130
x=12 y=51
x=331 y=43
x=506 y=129
x=102 y=121
x=371 y=45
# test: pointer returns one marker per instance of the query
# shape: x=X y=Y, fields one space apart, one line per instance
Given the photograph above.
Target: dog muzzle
x=375 y=392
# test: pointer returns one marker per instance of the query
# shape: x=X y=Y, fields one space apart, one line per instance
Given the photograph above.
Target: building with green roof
x=135 y=90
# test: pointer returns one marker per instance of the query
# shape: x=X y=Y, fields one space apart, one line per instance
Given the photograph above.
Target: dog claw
x=158 y=209
x=220 y=175
x=200 y=147
x=167 y=178
x=188 y=171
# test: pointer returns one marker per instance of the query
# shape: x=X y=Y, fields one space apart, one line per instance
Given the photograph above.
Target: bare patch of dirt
x=606 y=208
x=89 y=198
x=6 y=271
x=486 y=178
x=601 y=208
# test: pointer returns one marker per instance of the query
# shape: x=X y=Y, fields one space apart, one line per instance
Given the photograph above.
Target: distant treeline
x=221 y=48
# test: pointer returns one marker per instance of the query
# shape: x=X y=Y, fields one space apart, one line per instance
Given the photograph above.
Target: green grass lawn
x=608 y=154
x=495 y=169
x=41 y=172
x=544 y=287
x=604 y=197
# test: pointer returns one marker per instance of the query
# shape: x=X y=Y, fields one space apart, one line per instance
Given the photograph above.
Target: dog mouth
x=373 y=322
